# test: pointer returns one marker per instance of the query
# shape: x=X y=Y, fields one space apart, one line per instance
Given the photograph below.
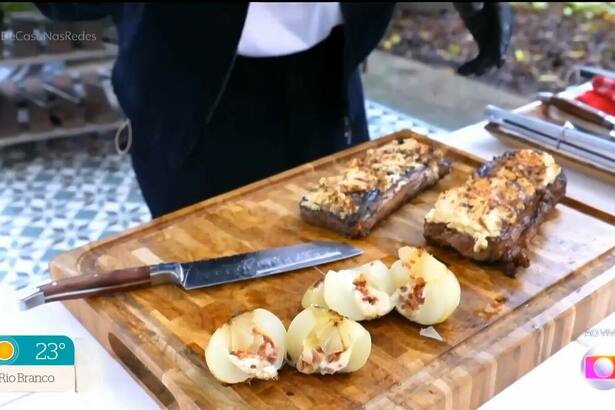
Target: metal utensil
x=579 y=109
x=597 y=149
x=192 y=275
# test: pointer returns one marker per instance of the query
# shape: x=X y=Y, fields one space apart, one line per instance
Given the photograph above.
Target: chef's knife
x=192 y=275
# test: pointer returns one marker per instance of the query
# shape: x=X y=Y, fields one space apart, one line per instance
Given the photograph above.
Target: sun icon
x=7 y=350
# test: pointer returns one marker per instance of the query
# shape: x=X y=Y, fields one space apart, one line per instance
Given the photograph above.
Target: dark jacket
x=174 y=60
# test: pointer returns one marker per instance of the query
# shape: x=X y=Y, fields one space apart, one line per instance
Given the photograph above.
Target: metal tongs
x=598 y=149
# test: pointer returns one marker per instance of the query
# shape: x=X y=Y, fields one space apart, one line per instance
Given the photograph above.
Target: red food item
x=601 y=81
x=604 y=86
x=598 y=101
x=266 y=351
x=360 y=284
x=415 y=297
x=606 y=93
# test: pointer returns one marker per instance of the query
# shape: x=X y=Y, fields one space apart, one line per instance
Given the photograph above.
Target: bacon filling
x=412 y=296
x=259 y=358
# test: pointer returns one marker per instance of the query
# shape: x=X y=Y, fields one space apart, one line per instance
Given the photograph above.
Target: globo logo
x=598 y=367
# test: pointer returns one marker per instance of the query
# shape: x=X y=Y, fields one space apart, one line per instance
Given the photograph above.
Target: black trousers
x=276 y=113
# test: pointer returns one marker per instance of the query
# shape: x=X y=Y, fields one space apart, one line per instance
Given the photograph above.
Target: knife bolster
x=167 y=273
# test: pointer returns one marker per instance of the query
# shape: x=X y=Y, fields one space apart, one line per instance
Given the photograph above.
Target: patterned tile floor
x=59 y=194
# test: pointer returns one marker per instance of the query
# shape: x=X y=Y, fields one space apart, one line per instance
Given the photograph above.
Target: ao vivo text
x=600 y=333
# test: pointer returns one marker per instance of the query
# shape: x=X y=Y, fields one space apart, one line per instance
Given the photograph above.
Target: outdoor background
x=62 y=193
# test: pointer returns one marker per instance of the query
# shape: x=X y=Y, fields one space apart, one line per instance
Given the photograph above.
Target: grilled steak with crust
x=493 y=216
x=370 y=188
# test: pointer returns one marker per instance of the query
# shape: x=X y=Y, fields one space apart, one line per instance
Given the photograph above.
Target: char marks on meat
x=369 y=188
x=493 y=216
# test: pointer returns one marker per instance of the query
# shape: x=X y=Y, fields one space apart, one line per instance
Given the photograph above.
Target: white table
x=103 y=383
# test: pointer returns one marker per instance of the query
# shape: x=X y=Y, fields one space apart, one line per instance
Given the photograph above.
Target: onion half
x=363 y=293
x=428 y=292
x=320 y=340
x=315 y=295
x=250 y=345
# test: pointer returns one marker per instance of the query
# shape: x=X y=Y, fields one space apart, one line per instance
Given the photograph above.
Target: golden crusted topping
x=538 y=168
x=354 y=180
x=480 y=207
x=496 y=192
x=337 y=191
x=381 y=168
x=484 y=205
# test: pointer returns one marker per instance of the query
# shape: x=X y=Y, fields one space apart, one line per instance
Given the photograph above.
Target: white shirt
x=276 y=29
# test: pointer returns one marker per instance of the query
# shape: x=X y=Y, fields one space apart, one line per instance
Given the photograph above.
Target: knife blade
x=192 y=275
x=263 y=263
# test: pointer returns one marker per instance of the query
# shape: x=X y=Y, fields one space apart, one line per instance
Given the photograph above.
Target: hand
x=491 y=27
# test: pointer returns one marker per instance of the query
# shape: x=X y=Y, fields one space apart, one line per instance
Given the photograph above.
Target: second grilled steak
x=494 y=215
x=370 y=188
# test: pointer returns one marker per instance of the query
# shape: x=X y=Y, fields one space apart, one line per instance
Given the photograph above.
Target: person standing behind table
x=222 y=94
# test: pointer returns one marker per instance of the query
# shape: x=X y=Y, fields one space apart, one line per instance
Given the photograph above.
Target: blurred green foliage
x=15 y=7
x=590 y=9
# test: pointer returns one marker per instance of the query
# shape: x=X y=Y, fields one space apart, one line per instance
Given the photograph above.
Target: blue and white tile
x=383 y=120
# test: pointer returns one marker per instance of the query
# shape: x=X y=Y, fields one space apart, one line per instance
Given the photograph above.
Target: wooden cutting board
x=503 y=328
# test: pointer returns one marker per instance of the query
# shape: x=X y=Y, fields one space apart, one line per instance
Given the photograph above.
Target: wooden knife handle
x=582 y=110
x=95 y=283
